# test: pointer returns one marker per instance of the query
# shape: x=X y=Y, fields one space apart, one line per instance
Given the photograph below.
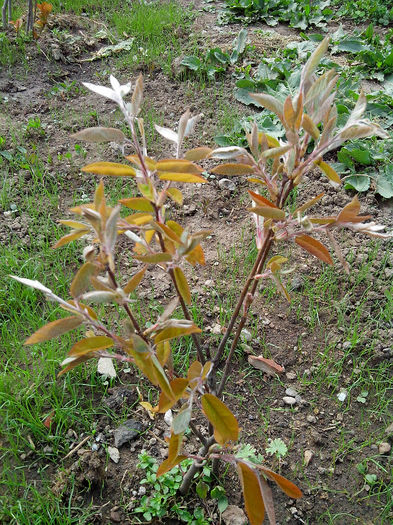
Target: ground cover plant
x=334 y=338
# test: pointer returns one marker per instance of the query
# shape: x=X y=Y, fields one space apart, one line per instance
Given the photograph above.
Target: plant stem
x=265 y=252
x=195 y=467
x=253 y=272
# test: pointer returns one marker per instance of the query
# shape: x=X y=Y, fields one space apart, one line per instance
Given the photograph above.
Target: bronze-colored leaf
x=194 y=371
x=289 y=113
x=309 y=126
x=172 y=332
x=155 y=258
x=91 y=344
x=134 y=281
x=139 y=219
x=54 y=329
x=253 y=500
x=85 y=307
x=74 y=224
x=196 y=154
x=150 y=163
x=261 y=200
x=81 y=281
x=314 y=247
x=174 y=458
x=138 y=203
x=100 y=134
x=72 y=363
x=330 y=172
x=232 y=168
x=270 y=103
x=163 y=352
x=285 y=485
x=178 y=166
x=268 y=212
x=226 y=427
x=178 y=387
x=181 y=177
x=176 y=195
x=308 y=204
x=196 y=256
x=182 y=285
x=75 y=234
x=112 y=169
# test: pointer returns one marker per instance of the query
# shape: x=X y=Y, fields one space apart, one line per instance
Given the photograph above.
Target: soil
x=317 y=422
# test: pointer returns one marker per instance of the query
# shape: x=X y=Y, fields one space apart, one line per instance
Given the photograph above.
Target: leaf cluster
x=216 y=60
x=297 y=13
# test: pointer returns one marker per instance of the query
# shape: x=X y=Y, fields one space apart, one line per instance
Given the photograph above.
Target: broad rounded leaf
x=138 y=203
x=81 y=281
x=178 y=166
x=285 y=485
x=76 y=234
x=226 y=427
x=134 y=281
x=198 y=154
x=268 y=212
x=155 y=258
x=171 y=332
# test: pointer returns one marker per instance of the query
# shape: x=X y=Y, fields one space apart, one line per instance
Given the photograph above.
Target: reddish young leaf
x=54 y=329
x=266 y=365
x=261 y=200
x=308 y=204
x=253 y=500
x=226 y=427
x=314 y=247
x=285 y=485
x=48 y=420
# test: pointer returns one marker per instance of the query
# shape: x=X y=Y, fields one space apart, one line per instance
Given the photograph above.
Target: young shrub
x=309 y=119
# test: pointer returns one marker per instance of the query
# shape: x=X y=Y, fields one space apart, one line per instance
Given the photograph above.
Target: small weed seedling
x=194 y=393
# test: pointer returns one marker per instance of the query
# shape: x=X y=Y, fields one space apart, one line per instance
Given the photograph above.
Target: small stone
x=115 y=516
x=47 y=450
x=216 y=330
x=246 y=335
x=227 y=184
x=234 y=515
x=209 y=283
x=291 y=392
x=311 y=419
x=114 y=454
x=105 y=367
x=308 y=455
x=346 y=345
x=141 y=491
x=384 y=448
x=291 y=375
x=288 y=400
x=297 y=282
x=127 y=432
x=95 y=447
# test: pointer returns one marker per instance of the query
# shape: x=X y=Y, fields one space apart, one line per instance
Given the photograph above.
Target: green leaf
x=358 y=182
x=202 y=489
x=192 y=62
x=385 y=182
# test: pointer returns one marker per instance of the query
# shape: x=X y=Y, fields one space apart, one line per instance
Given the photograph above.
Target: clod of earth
x=128 y=431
